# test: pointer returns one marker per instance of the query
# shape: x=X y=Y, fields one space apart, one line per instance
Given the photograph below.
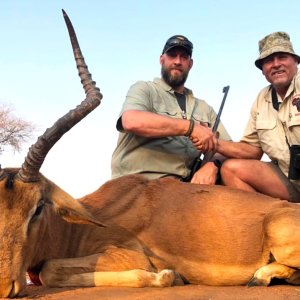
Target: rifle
x=207 y=157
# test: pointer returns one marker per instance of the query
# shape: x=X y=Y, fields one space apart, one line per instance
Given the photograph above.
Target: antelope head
x=25 y=192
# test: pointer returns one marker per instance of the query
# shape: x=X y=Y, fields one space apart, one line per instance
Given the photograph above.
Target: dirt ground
x=190 y=292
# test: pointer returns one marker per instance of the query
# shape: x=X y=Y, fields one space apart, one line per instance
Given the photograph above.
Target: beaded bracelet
x=191 y=128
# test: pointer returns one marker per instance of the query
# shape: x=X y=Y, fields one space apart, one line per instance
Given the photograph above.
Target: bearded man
x=160 y=118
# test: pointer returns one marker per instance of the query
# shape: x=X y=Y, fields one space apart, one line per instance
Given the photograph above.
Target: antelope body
x=137 y=232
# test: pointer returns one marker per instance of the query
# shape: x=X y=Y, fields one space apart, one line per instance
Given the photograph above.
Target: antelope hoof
x=257 y=282
x=165 y=278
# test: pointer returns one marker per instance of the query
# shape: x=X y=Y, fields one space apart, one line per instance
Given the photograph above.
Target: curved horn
x=38 y=151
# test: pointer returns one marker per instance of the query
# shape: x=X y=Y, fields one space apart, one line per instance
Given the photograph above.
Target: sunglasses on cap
x=178 y=41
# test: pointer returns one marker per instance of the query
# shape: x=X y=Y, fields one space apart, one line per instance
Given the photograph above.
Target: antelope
x=137 y=232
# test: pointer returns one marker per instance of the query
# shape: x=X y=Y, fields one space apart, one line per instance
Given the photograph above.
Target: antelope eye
x=38 y=210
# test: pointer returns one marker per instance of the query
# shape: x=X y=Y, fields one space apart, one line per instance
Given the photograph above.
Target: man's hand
x=206 y=174
x=203 y=138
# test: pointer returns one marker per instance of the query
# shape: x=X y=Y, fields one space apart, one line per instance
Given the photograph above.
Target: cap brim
x=259 y=61
x=178 y=46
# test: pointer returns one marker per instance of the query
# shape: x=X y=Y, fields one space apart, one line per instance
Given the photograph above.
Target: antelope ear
x=69 y=208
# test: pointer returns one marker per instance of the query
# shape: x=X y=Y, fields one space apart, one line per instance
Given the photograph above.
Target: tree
x=13 y=131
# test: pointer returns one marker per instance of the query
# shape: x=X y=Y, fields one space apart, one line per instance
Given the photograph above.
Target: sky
x=121 y=41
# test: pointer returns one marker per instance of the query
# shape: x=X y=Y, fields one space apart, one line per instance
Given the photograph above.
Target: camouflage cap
x=273 y=43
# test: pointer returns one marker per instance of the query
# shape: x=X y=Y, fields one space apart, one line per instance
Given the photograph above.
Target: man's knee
x=235 y=169
x=228 y=171
x=230 y=165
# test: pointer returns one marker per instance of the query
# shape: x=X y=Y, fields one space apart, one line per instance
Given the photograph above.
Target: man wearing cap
x=273 y=127
x=159 y=118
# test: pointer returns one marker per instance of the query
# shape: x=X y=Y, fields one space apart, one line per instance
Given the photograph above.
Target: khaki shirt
x=274 y=131
x=159 y=157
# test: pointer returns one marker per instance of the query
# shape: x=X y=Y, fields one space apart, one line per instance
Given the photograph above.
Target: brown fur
x=208 y=234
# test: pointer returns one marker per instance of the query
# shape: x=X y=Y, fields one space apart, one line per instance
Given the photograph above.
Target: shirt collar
x=289 y=91
x=168 y=88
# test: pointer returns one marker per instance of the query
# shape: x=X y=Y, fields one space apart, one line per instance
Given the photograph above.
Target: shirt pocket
x=267 y=132
x=265 y=124
x=294 y=130
x=164 y=111
x=295 y=121
x=201 y=117
x=272 y=138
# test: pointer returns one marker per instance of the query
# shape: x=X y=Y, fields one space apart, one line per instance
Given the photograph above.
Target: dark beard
x=173 y=81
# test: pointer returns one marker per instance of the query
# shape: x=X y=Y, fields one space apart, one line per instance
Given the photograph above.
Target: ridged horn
x=38 y=151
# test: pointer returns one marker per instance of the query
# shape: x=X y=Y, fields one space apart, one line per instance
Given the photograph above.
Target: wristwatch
x=217 y=163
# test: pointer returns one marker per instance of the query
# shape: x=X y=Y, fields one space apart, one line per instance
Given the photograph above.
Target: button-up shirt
x=166 y=156
x=273 y=131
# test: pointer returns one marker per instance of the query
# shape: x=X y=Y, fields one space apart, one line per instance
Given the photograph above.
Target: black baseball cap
x=178 y=41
